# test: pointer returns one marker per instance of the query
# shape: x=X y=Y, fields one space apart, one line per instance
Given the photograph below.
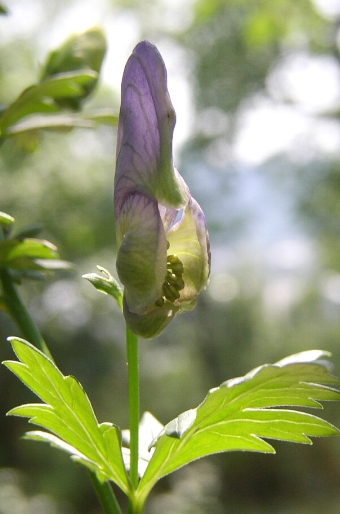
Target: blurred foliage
x=258 y=307
x=80 y=52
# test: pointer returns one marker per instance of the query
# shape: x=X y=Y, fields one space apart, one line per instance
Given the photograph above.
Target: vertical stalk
x=106 y=495
x=20 y=315
x=133 y=389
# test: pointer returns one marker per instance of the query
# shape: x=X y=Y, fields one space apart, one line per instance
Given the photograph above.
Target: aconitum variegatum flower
x=163 y=257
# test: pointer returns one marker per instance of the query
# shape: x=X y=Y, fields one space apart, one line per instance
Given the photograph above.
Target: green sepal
x=141 y=258
x=106 y=284
x=152 y=323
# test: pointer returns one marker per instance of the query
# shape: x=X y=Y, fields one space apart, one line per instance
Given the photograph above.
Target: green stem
x=106 y=495
x=19 y=313
x=133 y=389
x=30 y=331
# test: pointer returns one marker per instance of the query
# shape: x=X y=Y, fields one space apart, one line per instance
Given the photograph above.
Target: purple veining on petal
x=143 y=140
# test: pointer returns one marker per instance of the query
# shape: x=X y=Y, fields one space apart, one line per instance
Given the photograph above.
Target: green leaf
x=84 y=51
x=105 y=116
x=107 y=285
x=244 y=411
x=48 y=121
x=63 y=122
x=6 y=220
x=68 y=415
x=41 y=98
x=16 y=253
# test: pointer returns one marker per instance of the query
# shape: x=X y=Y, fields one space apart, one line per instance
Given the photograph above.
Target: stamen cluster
x=173 y=282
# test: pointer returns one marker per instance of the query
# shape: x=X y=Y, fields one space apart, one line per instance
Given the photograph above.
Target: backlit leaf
x=67 y=414
x=39 y=98
x=243 y=412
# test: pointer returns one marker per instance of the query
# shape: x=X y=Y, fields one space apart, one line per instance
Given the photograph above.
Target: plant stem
x=106 y=495
x=20 y=314
x=30 y=331
x=133 y=389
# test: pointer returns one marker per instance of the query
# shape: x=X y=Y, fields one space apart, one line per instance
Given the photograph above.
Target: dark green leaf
x=20 y=254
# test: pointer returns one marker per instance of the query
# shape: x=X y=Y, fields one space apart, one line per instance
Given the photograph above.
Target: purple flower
x=163 y=256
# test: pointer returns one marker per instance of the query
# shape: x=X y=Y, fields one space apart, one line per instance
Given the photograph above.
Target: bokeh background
x=256 y=88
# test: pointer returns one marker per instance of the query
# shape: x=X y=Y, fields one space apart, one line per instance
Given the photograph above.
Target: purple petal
x=145 y=131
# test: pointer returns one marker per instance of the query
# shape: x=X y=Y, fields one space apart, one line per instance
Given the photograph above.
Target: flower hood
x=163 y=256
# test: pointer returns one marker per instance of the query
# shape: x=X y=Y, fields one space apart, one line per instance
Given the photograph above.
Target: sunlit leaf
x=243 y=412
x=39 y=98
x=62 y=122
x=67 y=414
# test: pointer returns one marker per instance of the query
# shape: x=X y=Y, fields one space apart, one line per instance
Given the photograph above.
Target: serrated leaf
x=68 y=414
x=106 y=284
x=242 y=412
